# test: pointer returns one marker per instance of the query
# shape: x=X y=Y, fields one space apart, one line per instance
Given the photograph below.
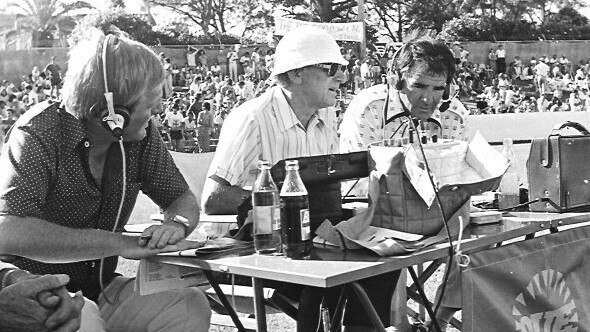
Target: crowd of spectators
x=546 y=84
x=198 y=97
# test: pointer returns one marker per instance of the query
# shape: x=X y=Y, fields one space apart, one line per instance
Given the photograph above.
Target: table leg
x=371 y=312
x=259 y=309
x=425 y=302
x=230 y=310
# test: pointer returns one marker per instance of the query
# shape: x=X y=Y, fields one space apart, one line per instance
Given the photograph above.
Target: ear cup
x=121 y=118
x=444 y=106
x=447 y=92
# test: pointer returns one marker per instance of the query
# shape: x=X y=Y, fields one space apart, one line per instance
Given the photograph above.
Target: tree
x=430 y=14
x=318 y=10
x=44 y=18
x=137 y=26
x=199 y=12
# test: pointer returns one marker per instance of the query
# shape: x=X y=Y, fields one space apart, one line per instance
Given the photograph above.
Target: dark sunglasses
x=332 y=68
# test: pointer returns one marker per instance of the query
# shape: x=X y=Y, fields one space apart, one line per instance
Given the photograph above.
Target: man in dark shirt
x=69 y=185
x=53 y=73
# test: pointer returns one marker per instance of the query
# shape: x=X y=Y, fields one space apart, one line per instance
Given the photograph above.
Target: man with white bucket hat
x=295 y=118
x=282 y=122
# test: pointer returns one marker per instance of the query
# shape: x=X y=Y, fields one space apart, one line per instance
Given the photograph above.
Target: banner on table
x=538 y=285
x=352 y=31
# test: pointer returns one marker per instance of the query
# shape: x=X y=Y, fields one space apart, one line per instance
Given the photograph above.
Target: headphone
x=114 y=118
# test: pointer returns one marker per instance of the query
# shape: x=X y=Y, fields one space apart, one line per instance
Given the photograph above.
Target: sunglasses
x=332 y=68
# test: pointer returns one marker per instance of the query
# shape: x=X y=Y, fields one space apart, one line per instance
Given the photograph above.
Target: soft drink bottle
x=266 y=212
x=295 y=221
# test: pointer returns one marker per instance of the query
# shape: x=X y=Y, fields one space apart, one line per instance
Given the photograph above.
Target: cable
x=445 y=221
x=119 y=211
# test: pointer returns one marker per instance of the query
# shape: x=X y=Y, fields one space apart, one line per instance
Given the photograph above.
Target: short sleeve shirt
x=362 y=123
x=173 y=120
x=46 y=175
x=267 y=128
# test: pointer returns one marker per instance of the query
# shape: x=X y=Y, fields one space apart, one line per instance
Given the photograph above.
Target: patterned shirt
x=362 y=123
x=46 y=174
x=267 y=128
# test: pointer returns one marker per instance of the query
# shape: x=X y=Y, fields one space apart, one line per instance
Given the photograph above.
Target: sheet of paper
x=154 y=277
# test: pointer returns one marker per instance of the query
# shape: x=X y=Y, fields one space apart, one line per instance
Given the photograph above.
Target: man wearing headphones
x=419 y=88
x=422 y=72
x=71 y=174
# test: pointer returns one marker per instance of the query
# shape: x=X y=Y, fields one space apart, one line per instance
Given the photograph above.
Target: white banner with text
x=352 y=31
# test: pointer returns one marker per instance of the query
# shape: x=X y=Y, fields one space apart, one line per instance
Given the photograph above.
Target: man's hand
x=159 y=236
x=136 y=251
x=22 y=305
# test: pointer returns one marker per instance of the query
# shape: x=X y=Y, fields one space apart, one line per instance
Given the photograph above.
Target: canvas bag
x=406 y=199
x=403 y=215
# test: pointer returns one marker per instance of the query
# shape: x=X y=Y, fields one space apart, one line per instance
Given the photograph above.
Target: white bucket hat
x=305 y=46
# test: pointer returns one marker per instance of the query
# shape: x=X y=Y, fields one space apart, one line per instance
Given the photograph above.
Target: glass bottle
x=266 y=212
x=509 y=185
x=295 y=221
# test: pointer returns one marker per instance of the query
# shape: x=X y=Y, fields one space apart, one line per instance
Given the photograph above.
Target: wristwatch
x=183 y=222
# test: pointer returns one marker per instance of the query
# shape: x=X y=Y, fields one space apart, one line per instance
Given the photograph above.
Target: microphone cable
x=445 y=221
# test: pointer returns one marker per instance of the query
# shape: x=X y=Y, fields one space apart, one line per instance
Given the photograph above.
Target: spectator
x=173 y=121
x=202 y=59
x=541 y=73
x=501 y=59
x=233 y=58
x=366 y=73
x=53 y=73
x=189 y=127
x=205 y=127
x=216 y=69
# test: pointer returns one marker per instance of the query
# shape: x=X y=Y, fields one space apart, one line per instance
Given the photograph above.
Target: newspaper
x=155 y=277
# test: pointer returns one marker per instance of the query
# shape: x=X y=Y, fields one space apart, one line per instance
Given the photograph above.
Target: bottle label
x=305 y=224
x=263 y=219
x=276 y=222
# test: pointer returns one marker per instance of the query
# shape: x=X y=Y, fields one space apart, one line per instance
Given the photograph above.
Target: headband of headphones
x=114 y=118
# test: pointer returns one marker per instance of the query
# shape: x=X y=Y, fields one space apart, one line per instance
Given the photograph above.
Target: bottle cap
x=262 y=163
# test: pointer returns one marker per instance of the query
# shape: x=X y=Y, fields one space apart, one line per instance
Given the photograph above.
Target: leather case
x=559 y=170
x=322 y=175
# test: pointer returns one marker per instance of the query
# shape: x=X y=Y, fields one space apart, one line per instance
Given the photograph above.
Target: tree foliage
x=140 y=28
x=215 y=18
x=46 y=19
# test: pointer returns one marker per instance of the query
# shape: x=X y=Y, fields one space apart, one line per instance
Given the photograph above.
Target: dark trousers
x=501 y=65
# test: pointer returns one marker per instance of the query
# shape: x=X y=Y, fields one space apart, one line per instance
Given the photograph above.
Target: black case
x=559 y=171
x=322 y=175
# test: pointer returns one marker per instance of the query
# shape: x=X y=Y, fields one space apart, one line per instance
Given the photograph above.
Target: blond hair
x=132 y=71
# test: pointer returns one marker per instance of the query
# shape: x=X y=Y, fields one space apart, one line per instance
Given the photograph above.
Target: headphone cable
x=119 y=211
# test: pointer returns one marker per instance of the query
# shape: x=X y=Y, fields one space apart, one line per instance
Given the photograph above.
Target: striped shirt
x=363 y=120
x=267 y=128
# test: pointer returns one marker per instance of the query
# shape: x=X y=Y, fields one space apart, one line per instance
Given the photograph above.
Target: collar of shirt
x=288 y=119
x=74 y=132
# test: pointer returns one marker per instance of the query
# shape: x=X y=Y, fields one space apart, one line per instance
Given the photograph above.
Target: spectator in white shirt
x=501 y=59
x=541 y=74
